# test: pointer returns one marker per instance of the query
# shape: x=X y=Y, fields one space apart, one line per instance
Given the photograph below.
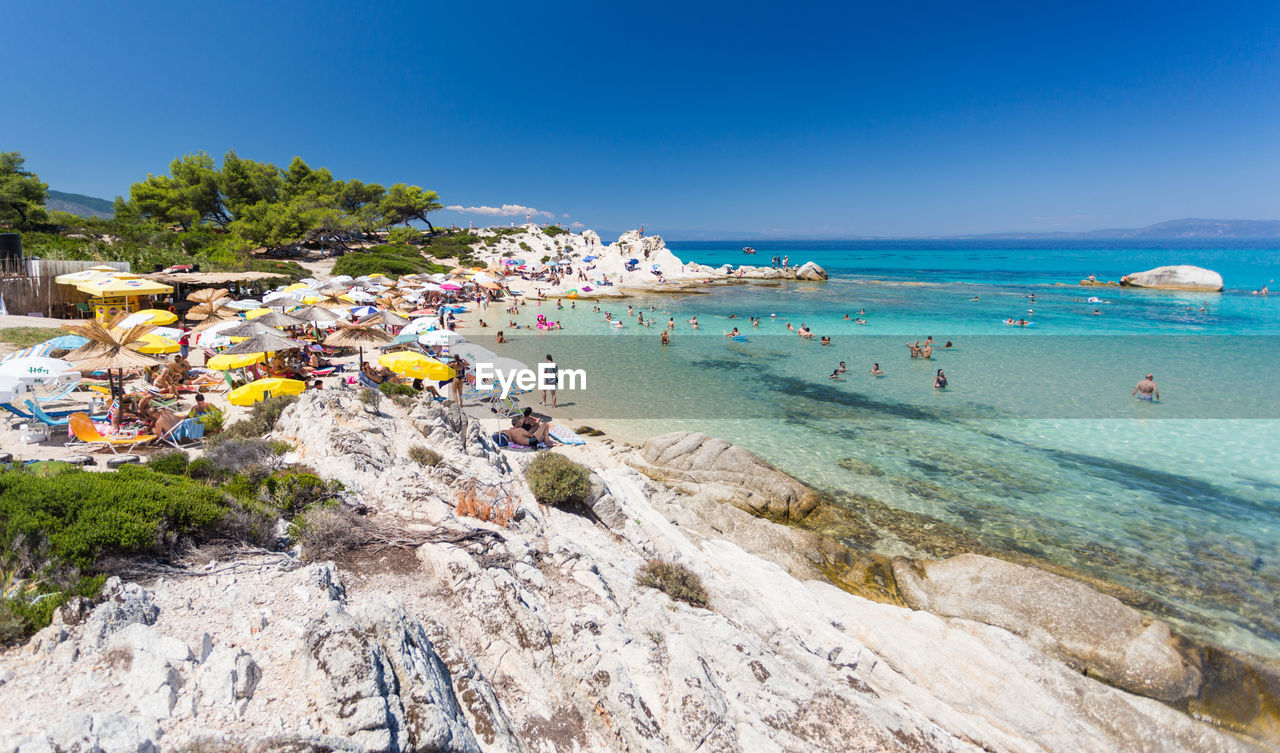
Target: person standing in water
x=875 y=370
x=940 y=381
x=554 y=374
x=1146 y=389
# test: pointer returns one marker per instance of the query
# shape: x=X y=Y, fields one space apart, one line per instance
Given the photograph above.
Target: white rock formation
x=650 y=253
x=537 y=637
x=1180 y=277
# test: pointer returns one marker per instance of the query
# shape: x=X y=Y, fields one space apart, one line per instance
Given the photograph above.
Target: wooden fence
x=27 y=286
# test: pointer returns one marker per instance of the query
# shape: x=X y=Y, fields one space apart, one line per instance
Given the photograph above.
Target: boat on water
x=748 y=250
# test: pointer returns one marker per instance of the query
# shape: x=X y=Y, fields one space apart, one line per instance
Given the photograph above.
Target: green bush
x=554 y=230
x=326 y=532
x=260 y=421
x=424 y=455
x=291 y=492
x=88 y=515
x=202 y=468
x=173 y=463
x=556 y=480
x=391 y=389
x=674 y=580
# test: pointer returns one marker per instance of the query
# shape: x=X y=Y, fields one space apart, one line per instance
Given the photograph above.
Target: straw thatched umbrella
x=357 y=336
x=279 y=319
x=282 y=302
x=250 y=328
x=315 y=314
x=110 y=351
x=208 y=295
x=385 y=318
x=267 y=342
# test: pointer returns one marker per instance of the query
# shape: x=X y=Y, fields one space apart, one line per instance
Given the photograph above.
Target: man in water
x=875 y=370
x=1146 y=389
x=842 y=368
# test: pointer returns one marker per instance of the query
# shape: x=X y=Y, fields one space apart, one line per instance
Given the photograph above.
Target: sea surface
x=1036 y=447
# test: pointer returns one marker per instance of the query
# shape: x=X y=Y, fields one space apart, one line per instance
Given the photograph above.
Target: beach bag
x=501 y=439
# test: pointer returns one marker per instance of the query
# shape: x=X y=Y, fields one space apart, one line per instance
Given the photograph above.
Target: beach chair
x=63 y=389
x=55 y=414
x=39 y=415
x=86 y=433
x=189 y=430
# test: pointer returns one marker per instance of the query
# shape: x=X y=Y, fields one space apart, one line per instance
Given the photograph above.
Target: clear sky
x=797 y=119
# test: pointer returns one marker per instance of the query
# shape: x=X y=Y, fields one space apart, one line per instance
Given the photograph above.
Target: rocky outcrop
x=537 y=637
x=811 y=271
x=727 y=472
x=1180 y=277
x=1066 y=619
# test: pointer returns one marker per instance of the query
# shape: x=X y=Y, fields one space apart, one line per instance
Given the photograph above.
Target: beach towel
x=565 y=436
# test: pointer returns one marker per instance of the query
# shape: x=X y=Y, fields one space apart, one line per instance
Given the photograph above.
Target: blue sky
x=794 y=119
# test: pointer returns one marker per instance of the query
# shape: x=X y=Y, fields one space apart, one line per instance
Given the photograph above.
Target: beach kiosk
x=121 y=291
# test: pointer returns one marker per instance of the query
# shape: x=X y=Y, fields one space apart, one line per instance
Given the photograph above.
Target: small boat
x=748 y=250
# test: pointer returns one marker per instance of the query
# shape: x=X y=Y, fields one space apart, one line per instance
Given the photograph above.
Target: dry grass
x=674 y=580
x=484 y=504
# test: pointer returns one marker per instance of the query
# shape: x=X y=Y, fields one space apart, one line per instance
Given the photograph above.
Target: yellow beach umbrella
x=122 y=284
x=153 y=344
x=226 y=362
x=256 y=392
x=255 y=313
x=294 y=286
x=415 y=366
x=158 y=317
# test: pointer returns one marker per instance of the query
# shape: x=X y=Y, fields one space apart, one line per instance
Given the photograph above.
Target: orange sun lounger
x=84 y=430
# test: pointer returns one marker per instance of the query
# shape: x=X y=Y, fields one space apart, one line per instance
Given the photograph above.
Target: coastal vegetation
x=556 y=480
x=228 y=216
x=674 y=580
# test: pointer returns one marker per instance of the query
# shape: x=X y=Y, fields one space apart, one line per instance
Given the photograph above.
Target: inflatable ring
x=573 y=293
x=172 y=310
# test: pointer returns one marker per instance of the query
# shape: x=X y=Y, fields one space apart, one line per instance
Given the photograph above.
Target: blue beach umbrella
x=590 y=258
x=66 y=342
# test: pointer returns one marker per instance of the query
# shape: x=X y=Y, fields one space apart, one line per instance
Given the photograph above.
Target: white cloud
x=506 y=210
x=577 y=225
x=564 y=215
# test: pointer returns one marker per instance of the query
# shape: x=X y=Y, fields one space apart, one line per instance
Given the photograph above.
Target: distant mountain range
x=79 y=204
x=1187 y=228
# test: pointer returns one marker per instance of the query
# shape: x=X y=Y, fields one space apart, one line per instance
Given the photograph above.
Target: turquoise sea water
x=1035 y=447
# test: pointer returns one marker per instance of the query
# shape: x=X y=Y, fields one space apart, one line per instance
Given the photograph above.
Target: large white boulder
x=1178 y=277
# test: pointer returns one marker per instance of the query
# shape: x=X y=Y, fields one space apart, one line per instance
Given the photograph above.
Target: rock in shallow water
x=1179 y=277
x=1061 y=617
x=727 y=472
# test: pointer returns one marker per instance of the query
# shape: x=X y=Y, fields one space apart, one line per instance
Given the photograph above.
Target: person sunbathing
x=521 y=436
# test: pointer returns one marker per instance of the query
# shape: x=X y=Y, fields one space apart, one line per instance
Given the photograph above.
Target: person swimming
x=875 y=370
x=835 y=374
x=733 y=333
x=842 y=369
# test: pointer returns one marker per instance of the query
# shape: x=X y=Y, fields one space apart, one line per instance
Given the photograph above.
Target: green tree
x=404 y=203
x=22 y=194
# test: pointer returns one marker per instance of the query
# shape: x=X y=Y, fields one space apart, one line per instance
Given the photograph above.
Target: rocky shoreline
x=656 y=268
x=536 y=637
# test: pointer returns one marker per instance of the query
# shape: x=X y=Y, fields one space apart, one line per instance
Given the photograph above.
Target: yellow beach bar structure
x=112 y=292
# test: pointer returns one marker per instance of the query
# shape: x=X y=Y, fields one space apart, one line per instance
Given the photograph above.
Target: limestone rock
x=811 y=271
x=229 y=676
x=1179 y=277
x=1064 y=618
x=379 y=682
x=727 y=472
x=106 y=732
x=124 y=604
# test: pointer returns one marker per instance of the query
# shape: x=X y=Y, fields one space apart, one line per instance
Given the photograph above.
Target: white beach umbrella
x=213 y=337
x=441 y=337
x=421 y=324
x=247 y=304
x=35 y=368
x=341 y=280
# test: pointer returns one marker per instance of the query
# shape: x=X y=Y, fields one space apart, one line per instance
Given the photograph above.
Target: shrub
x=290 y=493
x=674 y=580
x=557 y=480
x=371 y=399
x=88 y=515
x=173 y=463
x=424 y=456
x=240 y=454
x=391 y=389
x=326 y=532
x=202 y=468
x=554 y=230
x=260 y=421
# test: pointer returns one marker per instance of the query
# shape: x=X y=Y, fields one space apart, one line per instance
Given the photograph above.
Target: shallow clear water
x=1036 y=446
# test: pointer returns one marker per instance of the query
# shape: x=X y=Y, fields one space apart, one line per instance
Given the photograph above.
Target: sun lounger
x=32 y=417
x=87 y=433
